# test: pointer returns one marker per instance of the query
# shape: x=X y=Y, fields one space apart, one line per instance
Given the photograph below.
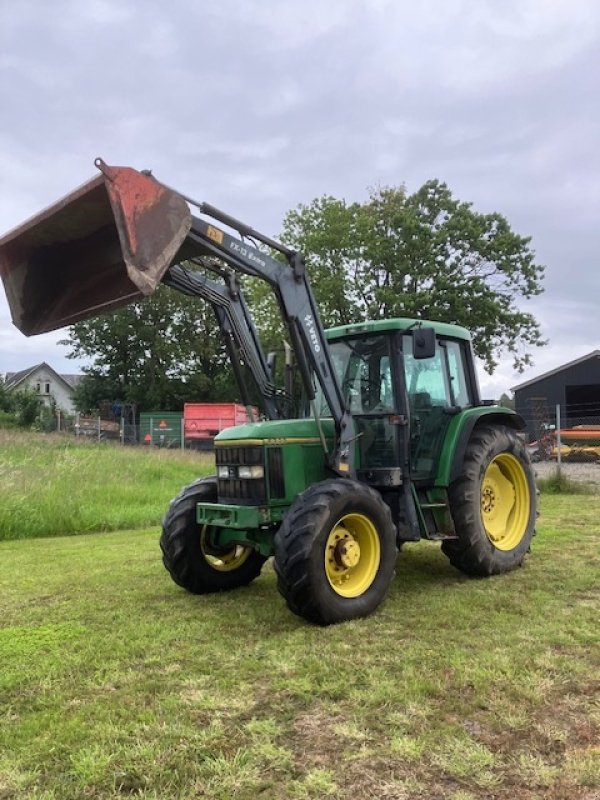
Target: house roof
x=72 y=380
x=593 y=354
x=13 y=379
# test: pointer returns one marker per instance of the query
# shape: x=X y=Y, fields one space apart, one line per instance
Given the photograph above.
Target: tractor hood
x=276 y=432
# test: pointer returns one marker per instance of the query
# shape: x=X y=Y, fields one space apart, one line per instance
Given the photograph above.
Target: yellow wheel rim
x=226 y=561
x=352 y=555
x=505 y=502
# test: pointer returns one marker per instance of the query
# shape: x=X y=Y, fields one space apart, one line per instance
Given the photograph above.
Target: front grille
x=242 y=492
x=239 y=455
x=276 y=481
x=246 y=491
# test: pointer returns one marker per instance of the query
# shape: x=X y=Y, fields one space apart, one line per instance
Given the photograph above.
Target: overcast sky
x=259 y=106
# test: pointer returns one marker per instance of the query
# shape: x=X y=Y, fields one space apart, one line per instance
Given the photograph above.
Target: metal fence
x=570 y=432
x=561 y=436
x=99 y=429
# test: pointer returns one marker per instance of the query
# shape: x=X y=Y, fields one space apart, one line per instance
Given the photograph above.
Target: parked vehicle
x=203 y=421
x=392 y=443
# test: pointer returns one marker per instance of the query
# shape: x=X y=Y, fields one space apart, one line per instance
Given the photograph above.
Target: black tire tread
x=473 y=553
x=294 y=546
x=180 y=545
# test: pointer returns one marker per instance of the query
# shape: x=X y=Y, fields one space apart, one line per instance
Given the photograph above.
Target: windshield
x=363 y=368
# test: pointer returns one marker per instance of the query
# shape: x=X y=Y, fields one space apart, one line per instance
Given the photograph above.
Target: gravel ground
x=584 y=472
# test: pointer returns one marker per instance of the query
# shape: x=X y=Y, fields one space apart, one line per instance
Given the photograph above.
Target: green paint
x=278 y=430
x=258 y=539
x=455 y=428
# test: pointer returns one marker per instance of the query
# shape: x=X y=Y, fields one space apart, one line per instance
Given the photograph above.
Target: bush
x=26 y=406
x=6 y=400
x=8 y=421
x=45 y=420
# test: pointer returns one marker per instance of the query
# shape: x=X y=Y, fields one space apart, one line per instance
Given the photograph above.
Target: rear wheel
x=190 y=554
x=493 y=504
x=335 y=552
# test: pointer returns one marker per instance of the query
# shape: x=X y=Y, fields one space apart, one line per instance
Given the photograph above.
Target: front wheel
x=493 y=504
x=335 y=552
x=191 y=556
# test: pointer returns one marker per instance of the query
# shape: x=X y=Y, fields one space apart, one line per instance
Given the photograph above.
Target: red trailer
x=202 y=421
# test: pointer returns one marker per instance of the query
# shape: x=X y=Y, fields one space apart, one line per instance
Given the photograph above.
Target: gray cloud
x=258 y=106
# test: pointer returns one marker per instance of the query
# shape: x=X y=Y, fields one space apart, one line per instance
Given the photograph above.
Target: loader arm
x=237 y=329
x=290 y=283
x=117 y=237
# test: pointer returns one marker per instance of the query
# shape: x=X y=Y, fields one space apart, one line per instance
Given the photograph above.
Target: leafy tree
x=26 y=405
x=93 y=389
x=6 y=401
x=425 y=255
x=157 y=353
x=45 y=419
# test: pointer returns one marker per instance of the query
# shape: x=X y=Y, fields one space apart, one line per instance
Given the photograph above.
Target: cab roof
x=397 y=324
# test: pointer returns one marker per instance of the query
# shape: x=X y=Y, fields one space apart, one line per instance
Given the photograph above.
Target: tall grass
x=52 y=485
x=559 y=483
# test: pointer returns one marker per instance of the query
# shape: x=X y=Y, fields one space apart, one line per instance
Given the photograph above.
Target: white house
x=47 y=383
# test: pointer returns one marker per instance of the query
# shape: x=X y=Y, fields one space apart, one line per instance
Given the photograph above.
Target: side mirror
x=423 y=343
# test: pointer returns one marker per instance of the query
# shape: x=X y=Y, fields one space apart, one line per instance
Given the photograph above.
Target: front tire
x=493 y=504
x=335 y=552
x=188 y=553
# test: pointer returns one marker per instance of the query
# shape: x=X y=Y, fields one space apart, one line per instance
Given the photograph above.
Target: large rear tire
x=188 y=553
x=493 y=504
x=335 y=552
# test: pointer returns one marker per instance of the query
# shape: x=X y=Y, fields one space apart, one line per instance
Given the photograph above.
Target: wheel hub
x=488 y=500
x=352 y=554
x=223 y=559
x=347 y=553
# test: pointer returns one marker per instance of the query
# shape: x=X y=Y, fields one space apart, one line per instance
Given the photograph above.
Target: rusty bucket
x=101 y=247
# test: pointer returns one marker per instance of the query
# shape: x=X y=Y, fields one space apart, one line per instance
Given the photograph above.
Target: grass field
x=53 y=485
x=115 y=683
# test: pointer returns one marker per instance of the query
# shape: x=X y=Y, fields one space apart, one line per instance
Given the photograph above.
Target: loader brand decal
x=312 y=332
x=249 y=253
x=215 y=234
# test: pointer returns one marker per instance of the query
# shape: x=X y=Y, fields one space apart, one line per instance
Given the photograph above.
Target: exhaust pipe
x=101 y=247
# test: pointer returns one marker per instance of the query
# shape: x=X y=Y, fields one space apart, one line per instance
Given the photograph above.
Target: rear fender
x=459 y=433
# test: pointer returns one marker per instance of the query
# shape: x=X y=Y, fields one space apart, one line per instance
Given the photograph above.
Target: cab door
x=437 y=389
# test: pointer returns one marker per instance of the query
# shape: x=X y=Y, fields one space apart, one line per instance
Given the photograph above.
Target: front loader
x=391 y=442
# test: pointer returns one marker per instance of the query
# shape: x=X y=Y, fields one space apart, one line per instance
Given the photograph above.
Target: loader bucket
x=101 y=247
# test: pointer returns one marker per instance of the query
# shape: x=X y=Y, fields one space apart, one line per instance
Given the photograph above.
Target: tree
x=424 y=255
x=26 y=407
x=506 y=401
x=6 y=403
x=157 y=353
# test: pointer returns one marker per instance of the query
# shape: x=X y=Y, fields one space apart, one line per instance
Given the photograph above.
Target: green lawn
x=116 y=683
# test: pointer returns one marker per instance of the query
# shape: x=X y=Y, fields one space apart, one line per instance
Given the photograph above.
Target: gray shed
x=575 y=387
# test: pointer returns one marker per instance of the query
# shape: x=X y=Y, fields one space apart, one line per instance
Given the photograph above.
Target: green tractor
x=377 y=436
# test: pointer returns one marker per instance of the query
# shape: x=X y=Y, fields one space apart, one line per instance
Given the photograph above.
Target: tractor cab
x=401 y=396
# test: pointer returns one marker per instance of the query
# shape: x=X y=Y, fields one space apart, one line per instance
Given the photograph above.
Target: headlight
x=257 y=471
x=222 y=472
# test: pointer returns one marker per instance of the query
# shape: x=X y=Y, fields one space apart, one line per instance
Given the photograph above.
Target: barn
x=575 y=387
